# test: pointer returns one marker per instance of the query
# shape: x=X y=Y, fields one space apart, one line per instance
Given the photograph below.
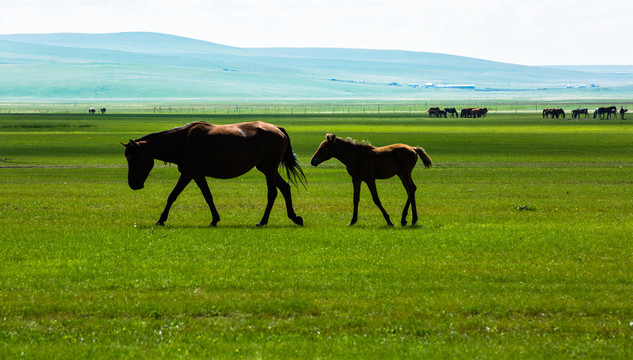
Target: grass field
x=523 y=248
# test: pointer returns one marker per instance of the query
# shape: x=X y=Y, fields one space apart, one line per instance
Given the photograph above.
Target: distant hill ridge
x=143 y=65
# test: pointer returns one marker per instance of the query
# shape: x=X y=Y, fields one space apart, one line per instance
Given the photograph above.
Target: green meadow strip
x=522 y=249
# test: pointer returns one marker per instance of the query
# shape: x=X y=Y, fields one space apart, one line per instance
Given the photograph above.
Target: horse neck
x=165 y=145
x=346 y=152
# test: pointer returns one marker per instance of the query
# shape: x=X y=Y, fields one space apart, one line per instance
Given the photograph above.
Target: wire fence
x=413 y=108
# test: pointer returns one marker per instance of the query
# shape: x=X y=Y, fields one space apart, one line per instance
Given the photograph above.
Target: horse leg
x=284 y=187
x=410 y=187
x=201 y=181
x=371 y=184
x=271 y=183
x=356 y=183
x=183 y=181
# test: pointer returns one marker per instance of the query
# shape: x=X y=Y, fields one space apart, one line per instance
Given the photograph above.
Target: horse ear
x=330 y=137
x=124 y=144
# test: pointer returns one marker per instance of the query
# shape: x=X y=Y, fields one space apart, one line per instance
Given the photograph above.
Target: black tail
x=290 y=162
x=426 y=160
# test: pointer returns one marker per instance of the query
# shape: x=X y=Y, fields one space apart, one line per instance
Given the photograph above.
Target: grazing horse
x=91 y=110
x=451 y=111
x=103 y=110
x=608 y=110
x=201 y=149
x=553 y=113
x=477 y=113
x=623 y=111
x=433 y=112
x=577 y=112
x=466 y=112
x=558 y=112
x=368 y=163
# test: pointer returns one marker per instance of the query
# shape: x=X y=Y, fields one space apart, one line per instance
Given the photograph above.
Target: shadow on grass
x=219 y=226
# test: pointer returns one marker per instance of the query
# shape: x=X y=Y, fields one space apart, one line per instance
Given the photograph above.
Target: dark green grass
x=522 y=249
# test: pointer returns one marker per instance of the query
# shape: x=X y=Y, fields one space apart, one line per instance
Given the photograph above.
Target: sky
x=527 y=32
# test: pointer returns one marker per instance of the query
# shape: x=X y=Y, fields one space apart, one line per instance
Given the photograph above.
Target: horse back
x=392 y=159
x=227 y=151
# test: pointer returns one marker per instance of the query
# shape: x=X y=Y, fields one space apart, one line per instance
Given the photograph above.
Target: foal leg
x=204 y=187
x=284 y=187
x=183 y=181
x=271 y=183
x=371 y=184
x=356 y=199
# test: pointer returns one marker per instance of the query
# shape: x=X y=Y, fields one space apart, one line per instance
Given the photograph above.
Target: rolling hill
x=146 y=66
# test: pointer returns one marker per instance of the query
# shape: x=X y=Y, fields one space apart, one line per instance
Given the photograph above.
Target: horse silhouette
x=367 y=163
x=201 y=149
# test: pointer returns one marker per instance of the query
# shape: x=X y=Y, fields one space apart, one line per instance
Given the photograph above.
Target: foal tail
x=426 y=160
x=290 y=162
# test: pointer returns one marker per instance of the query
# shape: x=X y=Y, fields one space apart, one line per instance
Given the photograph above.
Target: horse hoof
x=259 y=224
x=390 y=224
x=298 y=220
x=160 y=223
x=213 y=224
x=403 y=223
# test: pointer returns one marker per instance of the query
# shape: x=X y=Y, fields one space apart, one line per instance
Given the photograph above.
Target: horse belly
x=384 y=167
x=227 y=165
x=223 y=161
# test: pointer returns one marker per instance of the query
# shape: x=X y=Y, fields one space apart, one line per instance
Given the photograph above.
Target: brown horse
x=451 y=111
x=553 y=113
x=368 y=163
x=478 y=112
x=608 y=110
x=575 y=114
x=201 y=149
x=466 y=112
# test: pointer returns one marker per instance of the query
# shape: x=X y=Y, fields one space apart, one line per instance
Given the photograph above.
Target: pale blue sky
x=530 y=32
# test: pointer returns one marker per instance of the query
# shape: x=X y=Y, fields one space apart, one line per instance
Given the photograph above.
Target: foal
x=368 y=163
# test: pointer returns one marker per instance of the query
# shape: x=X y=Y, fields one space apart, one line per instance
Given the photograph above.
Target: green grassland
x=523 y=248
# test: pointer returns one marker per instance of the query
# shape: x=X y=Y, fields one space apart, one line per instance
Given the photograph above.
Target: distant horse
x=558 y=112
x=466 y=112
x=546 y=113
x=553 y=113
x=91 y=110
x=575 y=114
x=479 y=112
x=103 y=110
x=623 y=111
x=608 y=110
x=433 y=111
x=451 y=111
x=368 y=163
x=201 y=149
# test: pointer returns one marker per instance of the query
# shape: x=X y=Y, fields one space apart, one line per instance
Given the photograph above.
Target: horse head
x=140 y=162
x=324 y=152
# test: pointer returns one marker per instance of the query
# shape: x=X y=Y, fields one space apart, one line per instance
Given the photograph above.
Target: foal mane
x=363 y=144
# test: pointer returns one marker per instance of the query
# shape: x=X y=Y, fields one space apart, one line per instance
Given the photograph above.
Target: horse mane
x=160 y=134
x=364 y=144
x=168 y=143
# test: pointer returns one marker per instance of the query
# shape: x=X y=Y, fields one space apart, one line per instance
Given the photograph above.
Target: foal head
x=325 y=151
x=140 y=162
